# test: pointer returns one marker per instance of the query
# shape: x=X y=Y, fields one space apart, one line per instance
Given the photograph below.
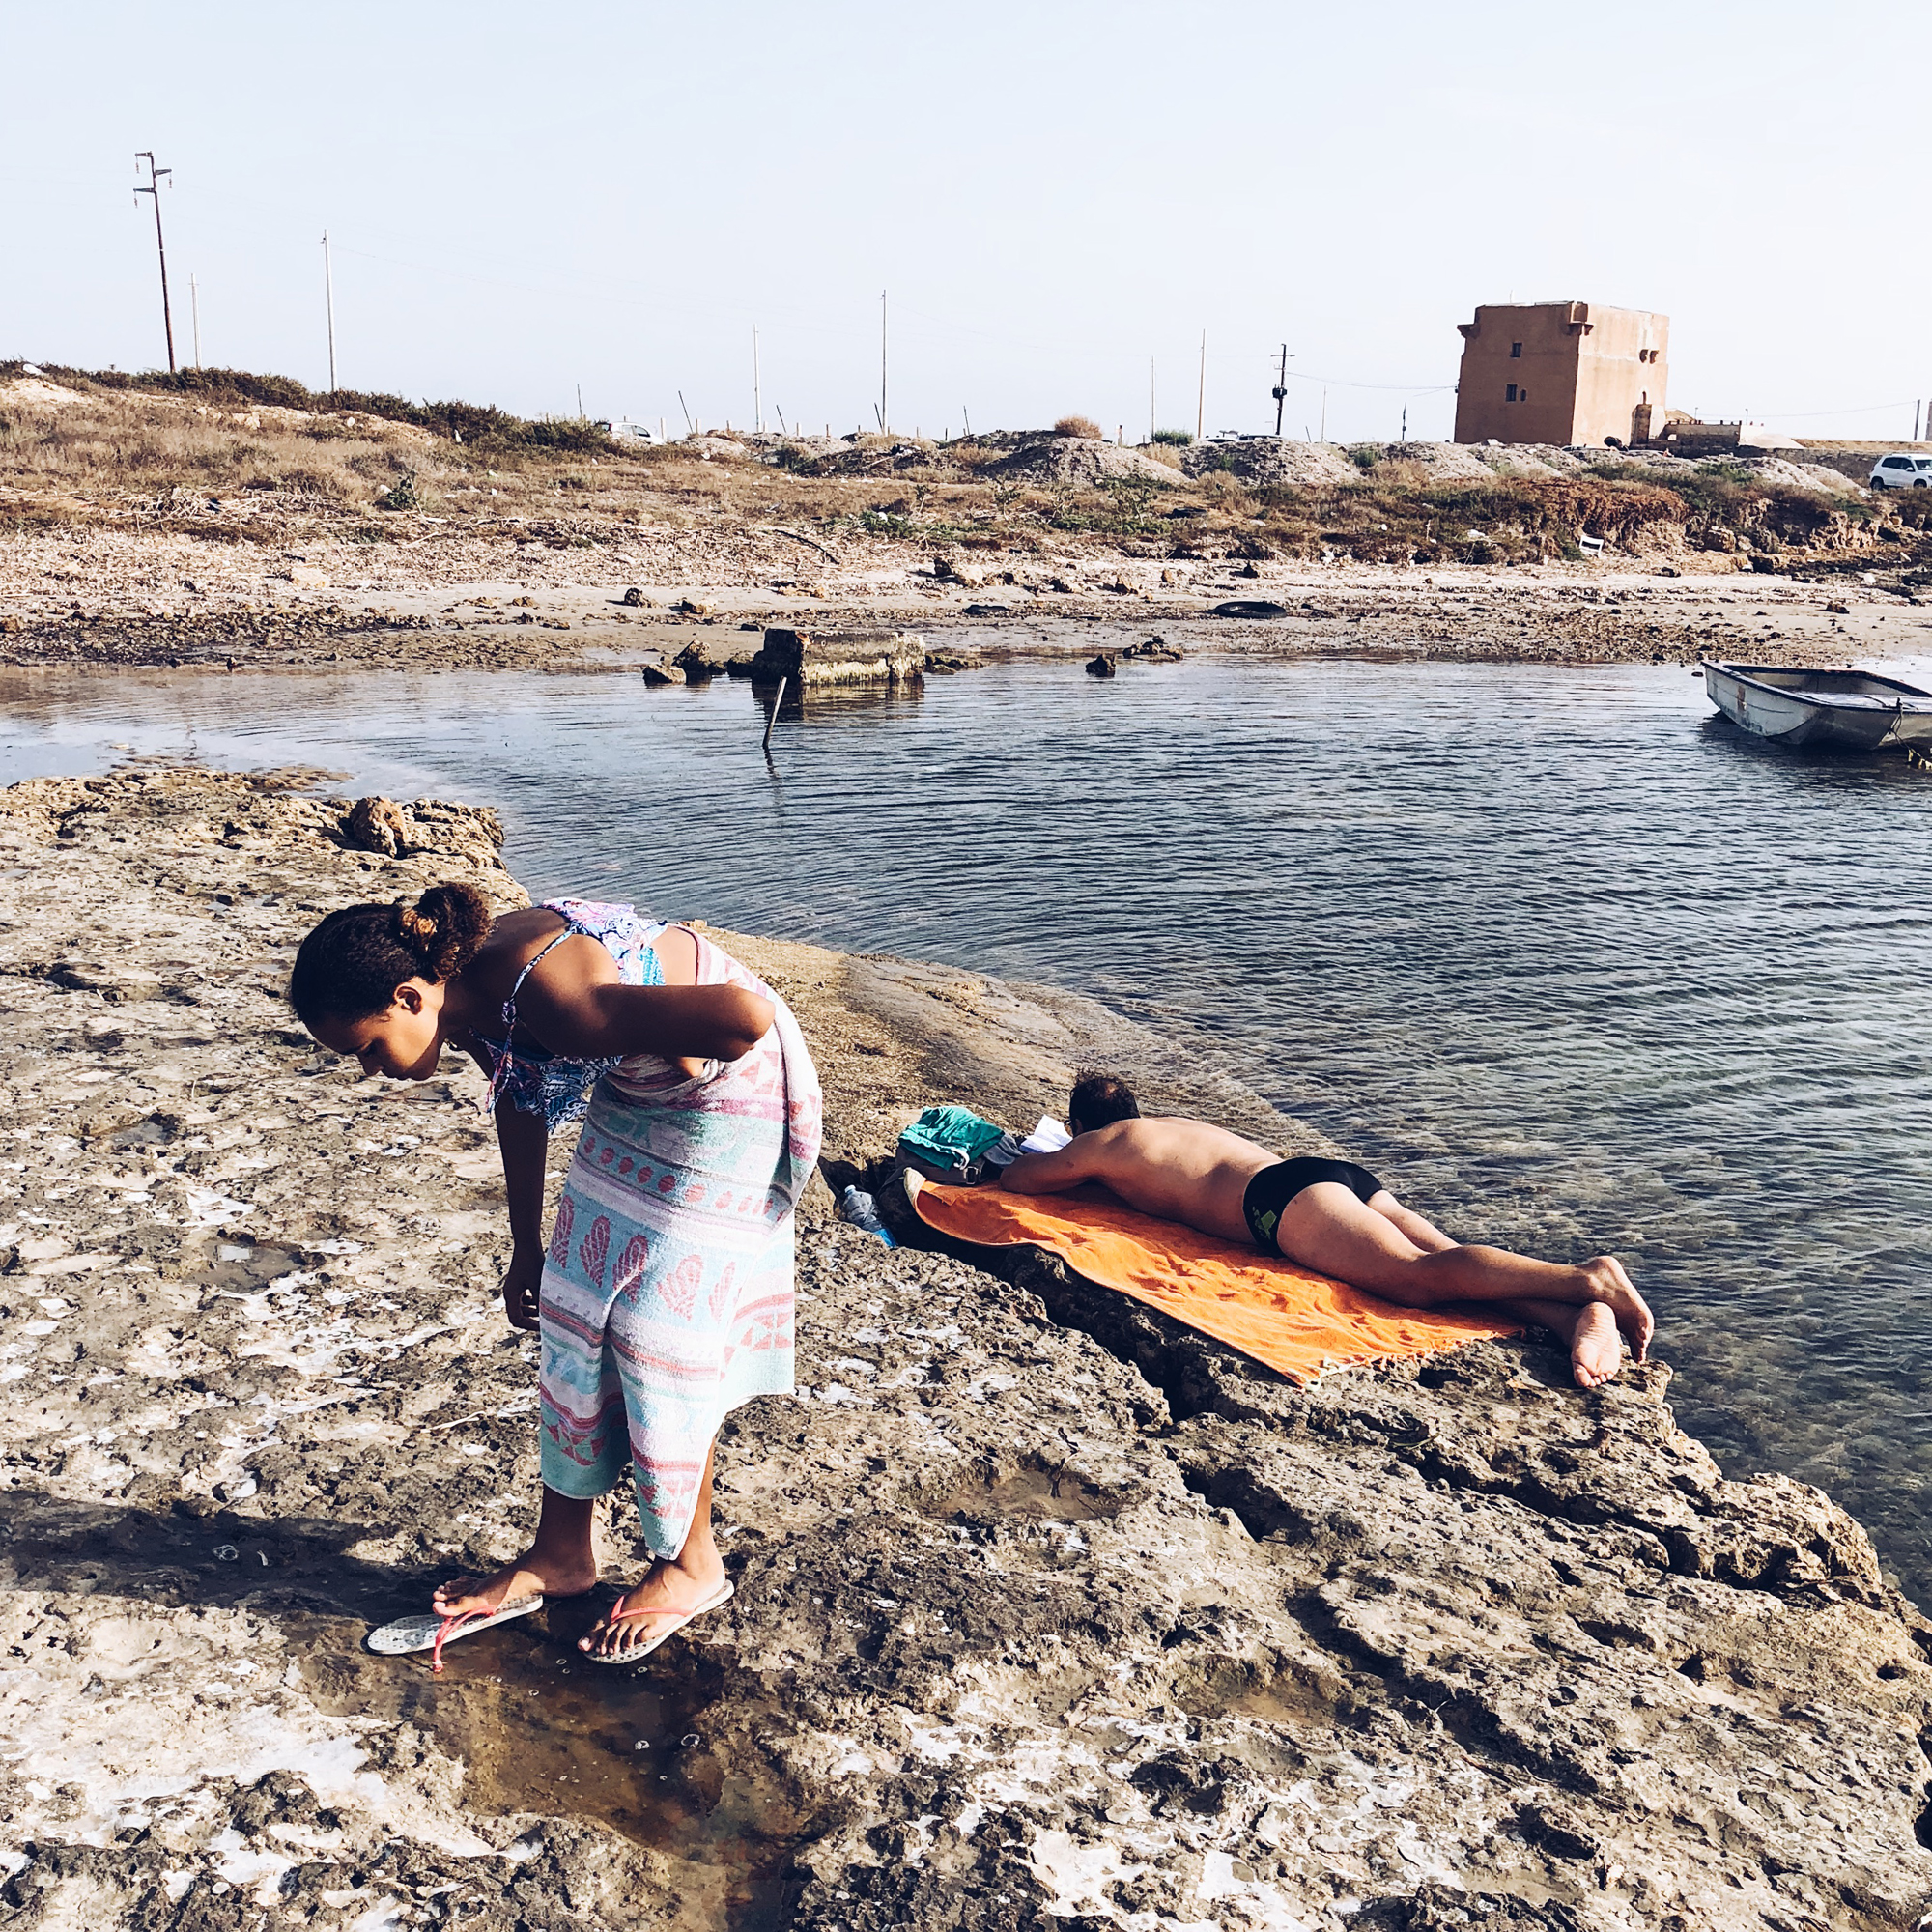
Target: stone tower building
x=1561 y=372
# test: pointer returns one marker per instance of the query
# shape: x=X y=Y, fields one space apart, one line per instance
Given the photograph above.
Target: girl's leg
x=676 y=1584
x=562 y=1562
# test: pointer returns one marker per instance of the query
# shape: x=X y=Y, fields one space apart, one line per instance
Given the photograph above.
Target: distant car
x=1900 y=472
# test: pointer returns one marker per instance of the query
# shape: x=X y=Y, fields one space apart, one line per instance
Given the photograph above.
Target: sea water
x=1573 y=964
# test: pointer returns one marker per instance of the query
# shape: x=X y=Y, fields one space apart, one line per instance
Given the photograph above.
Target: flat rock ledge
x=1048 y=1614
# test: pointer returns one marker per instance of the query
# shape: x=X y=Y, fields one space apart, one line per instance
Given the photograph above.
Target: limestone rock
x=1048 y=1613
x=375 y=825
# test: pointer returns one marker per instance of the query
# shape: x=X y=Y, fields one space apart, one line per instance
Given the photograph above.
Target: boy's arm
x=1055 y=1173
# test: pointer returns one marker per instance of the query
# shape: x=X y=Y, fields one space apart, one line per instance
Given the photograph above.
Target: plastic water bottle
x=858 y=1207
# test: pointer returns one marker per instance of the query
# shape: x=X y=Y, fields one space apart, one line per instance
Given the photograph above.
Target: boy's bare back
x=1174 y=1169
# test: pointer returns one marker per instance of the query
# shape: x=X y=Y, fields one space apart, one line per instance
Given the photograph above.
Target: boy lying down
x=1332 y=1217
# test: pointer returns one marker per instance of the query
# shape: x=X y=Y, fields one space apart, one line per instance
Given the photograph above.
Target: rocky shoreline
x=73 y=597
x=1047 y=1613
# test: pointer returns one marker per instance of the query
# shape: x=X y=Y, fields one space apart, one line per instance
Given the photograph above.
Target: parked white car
x=1900 y=472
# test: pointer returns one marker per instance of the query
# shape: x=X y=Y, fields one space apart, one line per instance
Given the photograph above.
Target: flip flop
x=674 y=1621
x=431 y=1631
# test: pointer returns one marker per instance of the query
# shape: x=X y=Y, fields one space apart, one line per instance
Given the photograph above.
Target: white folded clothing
x=1049 y=1137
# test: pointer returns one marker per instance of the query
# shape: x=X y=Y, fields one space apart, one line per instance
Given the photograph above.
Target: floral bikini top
x=537 y=1082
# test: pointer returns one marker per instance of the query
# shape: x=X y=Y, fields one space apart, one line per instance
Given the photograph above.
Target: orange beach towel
x=1297 y=1323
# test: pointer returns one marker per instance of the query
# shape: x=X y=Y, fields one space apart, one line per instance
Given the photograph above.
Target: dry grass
x=77 y=451
x=1078 y=426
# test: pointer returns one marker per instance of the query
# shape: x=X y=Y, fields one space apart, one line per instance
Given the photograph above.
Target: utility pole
x=1280 y=392
x=757 y=393
x=154 y=187
x=195 y=309
x=1150 y=407
x=884 y=421
x=328 y=287
x=1201 y=397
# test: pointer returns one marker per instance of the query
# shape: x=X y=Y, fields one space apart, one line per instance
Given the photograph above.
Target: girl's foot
x=1595 y=1348
x=638 y=1619
x=1610 y=1286
x=535 y=1574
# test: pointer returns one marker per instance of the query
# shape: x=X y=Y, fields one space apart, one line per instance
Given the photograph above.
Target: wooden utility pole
x=1150 y=407
x=154 y=187
x=195 y=311
x=757 y=393
x=1280 y=392
x=328 y=289
x=1200 y=396
x=885 y=421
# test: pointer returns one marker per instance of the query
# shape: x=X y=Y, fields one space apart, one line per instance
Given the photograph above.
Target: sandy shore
x=1048 y=1614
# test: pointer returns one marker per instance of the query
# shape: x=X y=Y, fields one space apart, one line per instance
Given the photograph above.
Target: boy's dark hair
x=1098 y=1100
x=351 y=963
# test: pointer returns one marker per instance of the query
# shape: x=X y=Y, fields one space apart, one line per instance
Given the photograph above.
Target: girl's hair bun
x=351 y=963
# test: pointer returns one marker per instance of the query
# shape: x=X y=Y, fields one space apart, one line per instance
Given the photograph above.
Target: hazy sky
x=525 y=199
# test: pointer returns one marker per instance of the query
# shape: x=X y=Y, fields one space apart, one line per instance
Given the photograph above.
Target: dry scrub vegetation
x=193 y=450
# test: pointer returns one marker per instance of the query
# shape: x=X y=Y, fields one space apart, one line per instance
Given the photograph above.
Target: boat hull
x=1796 y=717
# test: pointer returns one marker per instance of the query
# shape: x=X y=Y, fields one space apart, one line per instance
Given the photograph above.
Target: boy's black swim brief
x=1274 y=1187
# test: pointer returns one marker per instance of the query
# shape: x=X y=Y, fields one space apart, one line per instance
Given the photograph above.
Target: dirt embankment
x=155 y=528
x=1048 y=1614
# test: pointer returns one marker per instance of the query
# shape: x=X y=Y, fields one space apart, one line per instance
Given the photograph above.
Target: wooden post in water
x=773 y=718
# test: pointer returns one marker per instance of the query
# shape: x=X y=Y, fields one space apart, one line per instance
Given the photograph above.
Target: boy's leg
x=1426 y=1235
x=1589 y=1332
x=562 y=1562
x=1327 y=1229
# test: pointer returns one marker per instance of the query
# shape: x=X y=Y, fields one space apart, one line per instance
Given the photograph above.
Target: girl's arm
x=582 y=1015
x=524 y=1142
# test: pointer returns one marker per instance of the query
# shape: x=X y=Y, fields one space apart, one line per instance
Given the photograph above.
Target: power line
x=154 y=187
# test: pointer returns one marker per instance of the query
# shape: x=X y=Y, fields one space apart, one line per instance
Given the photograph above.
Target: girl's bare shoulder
x=516 y=938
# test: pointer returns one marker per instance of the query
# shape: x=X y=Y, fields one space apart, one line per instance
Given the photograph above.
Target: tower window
x=1515 y=349
x=1509 y=394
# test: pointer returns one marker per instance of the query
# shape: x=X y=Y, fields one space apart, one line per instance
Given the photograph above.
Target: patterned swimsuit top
x=537 y=1082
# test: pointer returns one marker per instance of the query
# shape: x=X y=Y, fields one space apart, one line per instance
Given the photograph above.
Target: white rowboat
x=1856 y=710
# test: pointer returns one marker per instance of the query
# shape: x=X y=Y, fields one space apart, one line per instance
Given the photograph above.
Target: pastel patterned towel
x=668 y=1289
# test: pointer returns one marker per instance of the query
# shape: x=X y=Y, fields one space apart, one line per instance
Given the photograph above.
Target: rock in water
x=1101 y=666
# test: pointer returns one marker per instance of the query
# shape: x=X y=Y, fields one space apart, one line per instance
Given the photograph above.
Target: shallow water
x=1573 y=964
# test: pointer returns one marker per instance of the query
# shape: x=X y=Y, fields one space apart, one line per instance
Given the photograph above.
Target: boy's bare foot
x=672 y=1589
x=1596 y=1347
x=1611 y=1287
x=534 y=1574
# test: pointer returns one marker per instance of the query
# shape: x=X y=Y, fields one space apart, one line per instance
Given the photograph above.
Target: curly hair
x=353 y=961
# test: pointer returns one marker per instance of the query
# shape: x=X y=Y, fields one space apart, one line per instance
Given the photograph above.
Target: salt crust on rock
x=1047 y=1614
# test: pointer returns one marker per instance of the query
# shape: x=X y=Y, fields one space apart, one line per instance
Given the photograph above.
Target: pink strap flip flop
x=673 y=1622
x=431 y=1633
